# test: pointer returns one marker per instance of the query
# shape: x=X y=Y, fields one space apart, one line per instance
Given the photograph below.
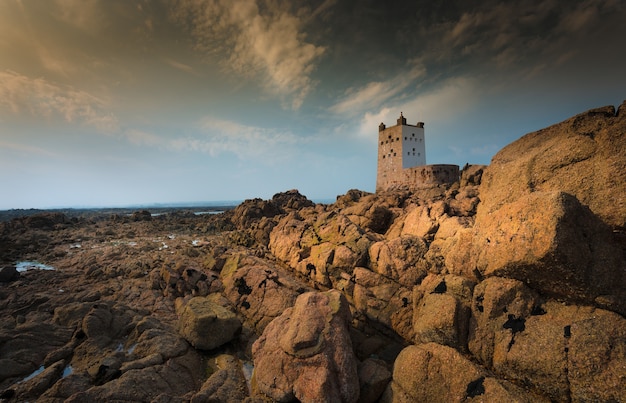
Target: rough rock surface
x=583 y=156
x=306 y=353
x=207 y=325
x=507 y=289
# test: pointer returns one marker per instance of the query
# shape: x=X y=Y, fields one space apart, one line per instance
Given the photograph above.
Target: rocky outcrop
x=306 y=353
x=508 y=285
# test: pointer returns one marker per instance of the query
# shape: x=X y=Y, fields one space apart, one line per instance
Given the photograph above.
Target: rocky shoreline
x=509 y=285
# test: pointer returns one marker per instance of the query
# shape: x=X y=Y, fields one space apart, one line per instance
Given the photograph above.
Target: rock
x=306 y=353
x=322 y=246
x=207 y=325
x=583 y=156
x=8 y=274
x=472 y=175
x=373 y=379
x=259 y=291
x=441 y=310
x=419 y=223
x=432 y=372
x=494 y=300
x=179 y=376
x=400 y=259
x=551 y=242
x=34 y=387
x=291 y=200
x=384 y=301
x=226 y=384
x=566 y=352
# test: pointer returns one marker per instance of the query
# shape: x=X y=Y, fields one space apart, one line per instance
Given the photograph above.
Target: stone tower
x=399 y=147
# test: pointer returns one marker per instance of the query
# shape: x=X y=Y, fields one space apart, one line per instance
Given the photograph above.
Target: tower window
x=412 y=134
x=394 y=154
x=409 y=153
x=418 y=154
x=397 y=138
x=381 y=143
x=405 y=138
x=414 y=150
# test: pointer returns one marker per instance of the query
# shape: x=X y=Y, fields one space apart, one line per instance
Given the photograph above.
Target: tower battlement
x=402 y=159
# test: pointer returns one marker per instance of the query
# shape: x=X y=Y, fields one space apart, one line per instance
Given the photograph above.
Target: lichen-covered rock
x=306 y=353
x=207 y=325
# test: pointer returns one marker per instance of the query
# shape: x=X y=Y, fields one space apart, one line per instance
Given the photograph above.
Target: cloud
x=259 y=38
x=39 y=98
x=180 y=66
x=246 y=142
x=373 y=94
x=453 y=96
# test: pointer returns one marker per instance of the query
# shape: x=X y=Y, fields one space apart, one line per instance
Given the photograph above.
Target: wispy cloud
x=376 y=93
x=36 y=97
x=221 y=136
x=259 y=38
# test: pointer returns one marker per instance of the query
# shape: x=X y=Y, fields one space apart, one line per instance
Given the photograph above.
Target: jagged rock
x=253 y=210
x=306 y=353
x=432 y=372
x=418 y=222
x=400 y=259
x=259 y=291
x=24 y=348
x=291 y=200
x=207 y=325
x=472 y=175
x=583 y=156
x=321 y=247
x=36 y=386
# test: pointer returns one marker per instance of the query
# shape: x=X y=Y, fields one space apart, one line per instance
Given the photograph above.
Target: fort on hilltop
x=402 y=159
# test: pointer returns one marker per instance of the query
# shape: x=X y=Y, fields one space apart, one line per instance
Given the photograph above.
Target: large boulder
x=551 y=242
x=583 y=156
x=434 y=373
x=260 y=292
x=566 y=352
x=207 y=325
x=306 y=353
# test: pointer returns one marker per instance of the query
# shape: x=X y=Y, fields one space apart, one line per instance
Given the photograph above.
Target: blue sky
x=111 y=102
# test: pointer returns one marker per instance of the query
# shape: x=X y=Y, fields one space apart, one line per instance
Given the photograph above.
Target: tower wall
x=402 y=159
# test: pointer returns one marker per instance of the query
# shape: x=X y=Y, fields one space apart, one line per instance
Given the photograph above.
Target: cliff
x=509 y=285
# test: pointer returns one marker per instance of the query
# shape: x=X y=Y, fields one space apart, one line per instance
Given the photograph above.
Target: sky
x=127 y=102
